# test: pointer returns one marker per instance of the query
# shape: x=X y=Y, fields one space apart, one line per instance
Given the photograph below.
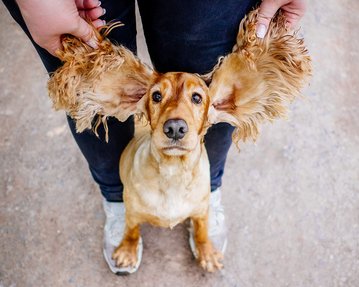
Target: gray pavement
x=291 y=199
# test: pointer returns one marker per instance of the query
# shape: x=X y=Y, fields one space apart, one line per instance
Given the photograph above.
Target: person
x=184 y=36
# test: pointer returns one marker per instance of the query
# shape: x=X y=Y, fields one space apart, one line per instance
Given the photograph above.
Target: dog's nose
x=175 y=129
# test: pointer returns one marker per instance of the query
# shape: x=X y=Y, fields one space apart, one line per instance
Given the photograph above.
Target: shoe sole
x=192 y=245
x=121 y=271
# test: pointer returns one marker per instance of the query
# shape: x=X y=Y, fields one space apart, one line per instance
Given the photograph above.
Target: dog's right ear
x=108 y=81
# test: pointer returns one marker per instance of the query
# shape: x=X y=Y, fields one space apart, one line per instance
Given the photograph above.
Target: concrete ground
x=292 y=199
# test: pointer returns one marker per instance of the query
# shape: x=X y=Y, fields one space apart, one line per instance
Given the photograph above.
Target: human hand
x=48 y=20
x=293 y=10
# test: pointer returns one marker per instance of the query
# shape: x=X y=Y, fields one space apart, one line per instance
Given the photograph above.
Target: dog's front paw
x=208 y=257
x=125 y=255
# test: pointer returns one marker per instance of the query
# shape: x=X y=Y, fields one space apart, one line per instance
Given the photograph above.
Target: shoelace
x=216 y=214
x=114 y=229
x=216 y=218
x=114 y=225
x=112 y=209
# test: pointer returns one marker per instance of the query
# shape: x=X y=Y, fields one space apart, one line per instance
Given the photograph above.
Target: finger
x=85 y=32
x=291 y=19
x=293 y=13
x=53 y=46
x=98 y=23
x=92 y=14
x=87 y=4
x=265 y=14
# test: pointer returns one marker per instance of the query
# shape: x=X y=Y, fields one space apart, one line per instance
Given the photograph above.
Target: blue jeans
x=186 y=36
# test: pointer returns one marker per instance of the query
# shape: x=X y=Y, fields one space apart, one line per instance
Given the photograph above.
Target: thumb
x=265 y=14
x=85 y=32
x=53 y=46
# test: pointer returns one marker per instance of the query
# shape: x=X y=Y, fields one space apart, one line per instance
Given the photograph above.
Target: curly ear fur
x=256 y=81
x=108 y=81
x=252 y=84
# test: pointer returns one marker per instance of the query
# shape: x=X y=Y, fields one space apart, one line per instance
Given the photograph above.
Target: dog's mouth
x=175 y=151
x=175 y=148
x=175 y=144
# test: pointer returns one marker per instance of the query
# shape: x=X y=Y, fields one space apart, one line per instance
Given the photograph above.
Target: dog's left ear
x=98 y=83
x=257 y=80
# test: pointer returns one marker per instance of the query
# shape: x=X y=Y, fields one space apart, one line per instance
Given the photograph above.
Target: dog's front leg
x=208 y=257
x=125 y=255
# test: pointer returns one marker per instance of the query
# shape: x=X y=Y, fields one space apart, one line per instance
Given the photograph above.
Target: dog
x=165 y=171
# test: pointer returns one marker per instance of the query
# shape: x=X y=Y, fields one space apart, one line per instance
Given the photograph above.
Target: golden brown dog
x=165 y=172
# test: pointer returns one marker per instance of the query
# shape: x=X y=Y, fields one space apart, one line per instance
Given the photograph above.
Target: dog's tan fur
x=167 y=181
x=257 y=80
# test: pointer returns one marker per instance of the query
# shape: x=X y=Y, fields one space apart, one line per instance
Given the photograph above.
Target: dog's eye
x=196 y=98
x=156 y=97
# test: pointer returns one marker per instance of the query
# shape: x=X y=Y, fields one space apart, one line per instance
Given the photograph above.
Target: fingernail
x=261 y=31
x=92 y=43
x=104 y=22
x=104 y=11
x=99 y=4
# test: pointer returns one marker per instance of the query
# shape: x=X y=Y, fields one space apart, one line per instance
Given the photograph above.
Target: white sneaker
x=113 y=232
x=217 y=230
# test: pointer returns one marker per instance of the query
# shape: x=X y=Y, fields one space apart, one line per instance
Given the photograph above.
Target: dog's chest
x=170 y=192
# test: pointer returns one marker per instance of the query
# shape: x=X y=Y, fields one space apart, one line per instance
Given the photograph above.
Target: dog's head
x=252 y=84
x=176 y=106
